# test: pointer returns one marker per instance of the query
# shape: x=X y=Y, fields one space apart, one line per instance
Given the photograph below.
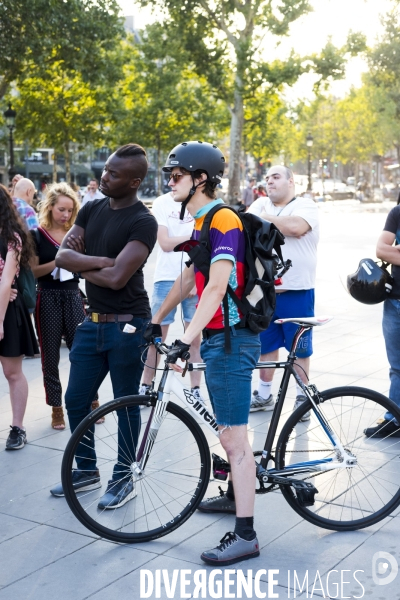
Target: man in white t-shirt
x=171 y=232
x=297 y=218
x=93 y=192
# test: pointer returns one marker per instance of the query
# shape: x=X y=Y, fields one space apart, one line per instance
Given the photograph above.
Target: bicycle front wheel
x=168 y=490
x=353 y=497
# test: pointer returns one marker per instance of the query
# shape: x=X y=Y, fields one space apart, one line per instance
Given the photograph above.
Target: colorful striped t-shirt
x=227 y=243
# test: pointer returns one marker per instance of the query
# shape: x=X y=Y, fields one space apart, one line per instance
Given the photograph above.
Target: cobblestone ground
x=45 y=553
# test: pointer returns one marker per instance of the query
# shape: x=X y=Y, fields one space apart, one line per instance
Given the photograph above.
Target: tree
x=38 y=33
x=56 y=107
x=268 y=130
x=225 y=40
x=384 y=61
x=164 y=100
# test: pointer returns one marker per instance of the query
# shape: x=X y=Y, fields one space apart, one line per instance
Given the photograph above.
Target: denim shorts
x=160 y=292
x=228 y=376
x=290 y=304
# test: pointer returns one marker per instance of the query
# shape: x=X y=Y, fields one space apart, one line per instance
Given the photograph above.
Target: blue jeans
x=99 y=349
x=391 y=333
x=228 y=376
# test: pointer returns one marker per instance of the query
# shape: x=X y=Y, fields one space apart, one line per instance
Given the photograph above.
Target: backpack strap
x=205 y=240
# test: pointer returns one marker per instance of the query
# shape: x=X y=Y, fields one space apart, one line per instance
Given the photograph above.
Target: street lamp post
x=309 y=141
x=10 y=115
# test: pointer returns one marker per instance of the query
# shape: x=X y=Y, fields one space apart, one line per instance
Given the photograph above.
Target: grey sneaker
x=218 y=504
x=232 y=549
x=196 y=393
x=117 y=494
x=260 y=403
x=16 y=438
x=83 y=481
x=299 y=400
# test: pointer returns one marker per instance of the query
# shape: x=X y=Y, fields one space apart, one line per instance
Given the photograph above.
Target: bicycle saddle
x=313 y=321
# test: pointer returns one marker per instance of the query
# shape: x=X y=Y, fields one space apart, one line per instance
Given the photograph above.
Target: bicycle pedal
x=221 y=468
x=305 y=492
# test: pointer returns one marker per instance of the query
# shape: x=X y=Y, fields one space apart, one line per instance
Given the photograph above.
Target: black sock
x=244 y=528
x=230 y=494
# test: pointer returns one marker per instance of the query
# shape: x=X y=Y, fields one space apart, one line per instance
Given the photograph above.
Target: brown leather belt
x=109 y=318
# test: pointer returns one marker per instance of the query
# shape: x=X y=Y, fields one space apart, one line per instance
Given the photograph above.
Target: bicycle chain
x=274 y=486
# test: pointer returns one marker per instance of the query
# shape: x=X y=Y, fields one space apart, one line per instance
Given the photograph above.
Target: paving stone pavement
x=45 y=553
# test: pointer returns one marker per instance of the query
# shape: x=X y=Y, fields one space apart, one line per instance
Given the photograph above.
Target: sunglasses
x=176 y=176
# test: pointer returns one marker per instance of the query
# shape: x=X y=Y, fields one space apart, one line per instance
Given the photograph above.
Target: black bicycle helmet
x=196 y=156
x=370 y=284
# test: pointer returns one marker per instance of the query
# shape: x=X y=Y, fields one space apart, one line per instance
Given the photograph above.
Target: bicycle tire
x=175 y=479
x=354 y=497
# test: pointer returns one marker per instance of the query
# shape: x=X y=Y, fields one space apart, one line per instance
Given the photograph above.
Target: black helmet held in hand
x=370 y=284
x=197 y=156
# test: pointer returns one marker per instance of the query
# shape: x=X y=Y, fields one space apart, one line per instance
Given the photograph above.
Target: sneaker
x=144 y=389
x=117 y=494
x=232 y=549
x=196 y=393
x=260 y=403
x=16 y=438
x=218 y=504
x=299 y=400
x=383 y=429
x=82 y=481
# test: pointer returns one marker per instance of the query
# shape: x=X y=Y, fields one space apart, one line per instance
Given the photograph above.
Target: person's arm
x=179 y=291
x=128 y=261
x=385 y=249
x=31 y=218
x=291 y=225
x=71 y=255
x=9 y=271
x=41 y=270
x=168 y=243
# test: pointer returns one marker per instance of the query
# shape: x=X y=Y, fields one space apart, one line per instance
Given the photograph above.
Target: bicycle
x=357 y=478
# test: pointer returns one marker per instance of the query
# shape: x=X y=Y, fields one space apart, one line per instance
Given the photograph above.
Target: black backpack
x=263 y=262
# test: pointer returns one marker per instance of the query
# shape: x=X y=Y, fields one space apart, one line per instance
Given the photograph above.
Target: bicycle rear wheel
x=174 y=478
x=354 y=497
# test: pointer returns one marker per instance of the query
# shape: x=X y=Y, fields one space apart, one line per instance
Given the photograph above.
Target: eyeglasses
x=176 y=176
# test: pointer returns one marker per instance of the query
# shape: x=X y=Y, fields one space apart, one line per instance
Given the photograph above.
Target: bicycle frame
x=170 y=383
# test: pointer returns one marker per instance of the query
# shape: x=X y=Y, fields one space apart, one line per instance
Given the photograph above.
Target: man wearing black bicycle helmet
x=195 y=169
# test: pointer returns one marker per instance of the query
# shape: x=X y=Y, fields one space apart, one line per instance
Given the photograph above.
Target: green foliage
x=384 y=58
x=37 y=33
x=268 y=130
x=164 y=100
x=56 y=107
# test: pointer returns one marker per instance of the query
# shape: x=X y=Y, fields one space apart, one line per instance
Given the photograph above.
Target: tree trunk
x=234 y=195
x=54 y=167
x=67 y=163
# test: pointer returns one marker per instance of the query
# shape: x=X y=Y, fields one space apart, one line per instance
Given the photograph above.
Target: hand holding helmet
x=370 y=284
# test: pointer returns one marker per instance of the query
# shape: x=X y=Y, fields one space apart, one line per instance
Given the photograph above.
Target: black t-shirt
x=393 y=225
x=46 y=251
x=107 y=232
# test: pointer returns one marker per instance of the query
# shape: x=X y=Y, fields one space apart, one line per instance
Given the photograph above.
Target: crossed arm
x=113 y=273
x=292 y=226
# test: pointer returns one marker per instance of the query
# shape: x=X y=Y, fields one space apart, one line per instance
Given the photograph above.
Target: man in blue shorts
x=297 y=218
